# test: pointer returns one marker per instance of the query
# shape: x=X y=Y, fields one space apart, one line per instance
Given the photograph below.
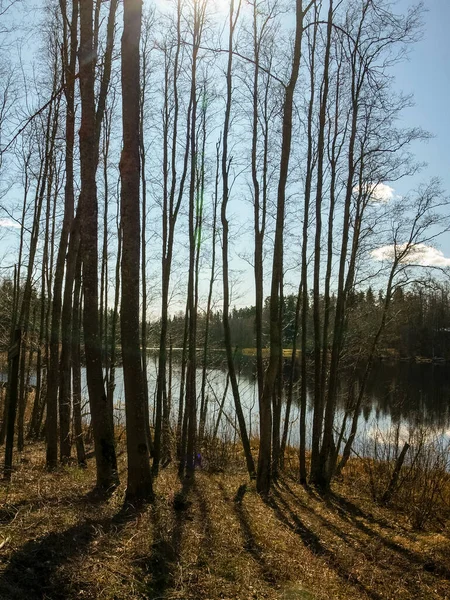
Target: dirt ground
x=212 y=537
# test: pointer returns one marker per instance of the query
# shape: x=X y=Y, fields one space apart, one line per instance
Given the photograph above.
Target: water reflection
x=417 y=394
x=398 y=393
x=408 y=394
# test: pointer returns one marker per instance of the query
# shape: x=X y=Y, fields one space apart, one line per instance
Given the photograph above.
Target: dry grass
x=209 y=538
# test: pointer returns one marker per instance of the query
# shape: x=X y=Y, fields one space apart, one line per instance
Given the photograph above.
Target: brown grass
x=209 y=538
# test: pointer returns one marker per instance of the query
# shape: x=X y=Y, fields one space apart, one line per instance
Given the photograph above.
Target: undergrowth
x=211 y=537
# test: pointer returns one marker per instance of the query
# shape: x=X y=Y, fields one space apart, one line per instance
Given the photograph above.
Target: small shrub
x=421 y=487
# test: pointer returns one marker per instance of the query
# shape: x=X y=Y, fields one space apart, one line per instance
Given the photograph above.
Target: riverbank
x=212 y=538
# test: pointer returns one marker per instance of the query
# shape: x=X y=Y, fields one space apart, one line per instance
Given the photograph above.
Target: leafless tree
x=139 y=482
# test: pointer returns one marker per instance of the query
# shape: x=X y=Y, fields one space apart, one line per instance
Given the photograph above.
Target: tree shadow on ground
x=349 y=511
x=206 y=525
x=10 y=511
x=250 y=544
x=361 y=533
x=166 y=547
x=310 y=538
x=33 y=572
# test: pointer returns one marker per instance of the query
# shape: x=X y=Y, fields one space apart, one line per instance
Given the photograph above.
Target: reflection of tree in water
x=418 y=394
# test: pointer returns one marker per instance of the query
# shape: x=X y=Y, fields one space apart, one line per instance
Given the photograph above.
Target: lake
x=406 y=394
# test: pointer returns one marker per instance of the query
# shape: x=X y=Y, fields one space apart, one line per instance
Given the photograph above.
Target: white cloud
x=379 y=192
x=9 y=223
x=421 y=254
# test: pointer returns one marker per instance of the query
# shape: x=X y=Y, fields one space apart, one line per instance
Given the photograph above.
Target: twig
x=33 y=116
x=5 y=542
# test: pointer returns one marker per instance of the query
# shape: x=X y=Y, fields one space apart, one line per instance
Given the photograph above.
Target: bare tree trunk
x=182 y=423
x=139 y=483
x=204 y=399
x=199 y=199
x=318 y=356
x=221 y=407
x=11 y=337
x=17 y=270
x=29 y=365
x=171 y=209
x=259 y=200
x=105 y=453
x=103 y=314
x=14 y=357
x=21 y=394
x=142 y=151
x=191 y=392
x=277 y=396
x=263 y=481
x=21 y=399
x=39 y=400
x=46 y=183
x=395 y=474
x=69 y=49
x=322 y=474
x=335 y=153
x=104 y=325
x=293 y=362
x=76 y=368
x=68 y=315
x=114 y=319
x=226 y=292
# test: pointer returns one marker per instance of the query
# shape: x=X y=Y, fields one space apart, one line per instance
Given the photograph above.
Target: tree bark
x=171 y=206
x=14 y=358
x=69 y=50
x=264 y=477
x=76 y=368
x=318 y=354
x=105 y=453
x=226 y=291
x=139 y=482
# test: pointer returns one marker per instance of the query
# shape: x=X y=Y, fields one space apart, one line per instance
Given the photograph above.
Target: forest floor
x=209 y=538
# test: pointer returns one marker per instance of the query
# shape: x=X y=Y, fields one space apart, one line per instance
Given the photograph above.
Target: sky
x=427 y=76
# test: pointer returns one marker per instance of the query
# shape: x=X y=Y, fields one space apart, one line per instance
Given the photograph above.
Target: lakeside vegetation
x=418 y=324
x=214 y=537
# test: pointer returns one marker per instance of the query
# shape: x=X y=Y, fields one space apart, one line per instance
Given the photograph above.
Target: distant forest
x=418 y=323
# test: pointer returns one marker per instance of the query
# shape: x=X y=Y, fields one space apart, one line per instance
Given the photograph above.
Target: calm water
x=411 y=395
x=405 y=394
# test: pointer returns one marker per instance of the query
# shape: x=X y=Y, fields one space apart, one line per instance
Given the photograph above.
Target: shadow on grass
x=250 y=544
x=349 y=511
x=9 y=511
x=166 y=546
x=306 y=507
x=352 y=514
x=289 y=518
x=207 y=543
x=33 y=572
x=362 y=534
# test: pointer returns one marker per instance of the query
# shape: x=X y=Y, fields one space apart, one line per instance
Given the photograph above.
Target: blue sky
x=427 y=75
